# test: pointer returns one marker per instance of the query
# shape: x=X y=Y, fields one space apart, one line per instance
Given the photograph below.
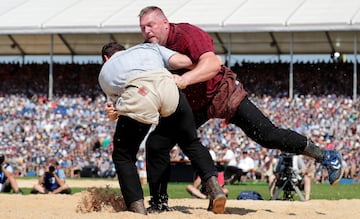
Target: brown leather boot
x=216 y=195
x=138 y=207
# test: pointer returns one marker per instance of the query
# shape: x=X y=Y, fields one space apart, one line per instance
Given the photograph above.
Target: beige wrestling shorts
x=148 y=96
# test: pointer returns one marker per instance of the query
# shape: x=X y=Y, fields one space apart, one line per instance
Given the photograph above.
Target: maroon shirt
x=193 y=42
x=189 y=40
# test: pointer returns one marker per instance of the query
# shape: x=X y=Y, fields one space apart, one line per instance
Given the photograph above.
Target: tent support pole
x=355 y=68
x=291 y=73
x=51 y=66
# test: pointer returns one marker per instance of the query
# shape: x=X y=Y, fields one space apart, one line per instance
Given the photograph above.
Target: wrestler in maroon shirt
x=213 y=92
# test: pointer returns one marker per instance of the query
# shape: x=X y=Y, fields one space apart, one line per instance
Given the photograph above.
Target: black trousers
x=230 y=171
x=260 y=129
x=128 y=136
x=178 y=128
x=248 y=117
x=233 y=172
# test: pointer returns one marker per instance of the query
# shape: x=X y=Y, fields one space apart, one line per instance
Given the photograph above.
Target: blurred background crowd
x=72 y=128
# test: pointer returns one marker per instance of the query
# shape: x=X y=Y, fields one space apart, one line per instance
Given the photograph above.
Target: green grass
x=318 y=191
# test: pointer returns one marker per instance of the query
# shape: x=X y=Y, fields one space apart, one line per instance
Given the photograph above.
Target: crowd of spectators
x=72 y=128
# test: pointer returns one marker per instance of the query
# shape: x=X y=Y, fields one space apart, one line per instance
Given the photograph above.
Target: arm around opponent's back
x=208 y=66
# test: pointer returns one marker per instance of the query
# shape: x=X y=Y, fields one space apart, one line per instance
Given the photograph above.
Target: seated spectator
x=227 y=160
x=52 y=182
x=75 y=169
x=40 y=169
x=176 y=155
x=197 y=190
x=105 y=167
x=268 y=169
x=7 y=178
x=245 y=167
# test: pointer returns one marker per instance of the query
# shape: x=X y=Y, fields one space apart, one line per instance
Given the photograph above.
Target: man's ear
x=106 y=57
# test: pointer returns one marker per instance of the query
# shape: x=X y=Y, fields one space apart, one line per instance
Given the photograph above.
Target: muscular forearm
x=178 y=61
x=208 y=66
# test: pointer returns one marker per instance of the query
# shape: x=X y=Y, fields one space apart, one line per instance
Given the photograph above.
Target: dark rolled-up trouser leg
x=158 y=147
x=127 y=139
x=199 y=156
x=260 y=129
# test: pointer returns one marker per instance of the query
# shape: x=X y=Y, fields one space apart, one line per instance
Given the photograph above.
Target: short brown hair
x=151 y=9
x=110 y=48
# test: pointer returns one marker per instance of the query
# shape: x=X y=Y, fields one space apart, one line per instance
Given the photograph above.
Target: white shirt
x=126 y=64
x=229 y=155
x=246 y=164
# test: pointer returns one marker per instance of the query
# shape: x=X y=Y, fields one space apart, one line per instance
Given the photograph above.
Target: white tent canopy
x=81 y=27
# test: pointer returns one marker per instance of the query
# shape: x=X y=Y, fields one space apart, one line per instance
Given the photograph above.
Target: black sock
x=314 y=151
